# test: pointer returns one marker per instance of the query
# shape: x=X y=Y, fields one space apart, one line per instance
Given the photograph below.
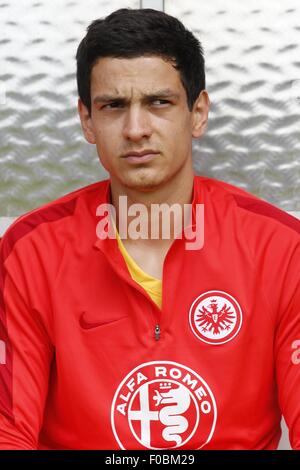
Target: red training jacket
x=88 y=361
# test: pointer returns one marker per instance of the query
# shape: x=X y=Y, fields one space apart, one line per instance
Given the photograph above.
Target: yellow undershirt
x=152 y=285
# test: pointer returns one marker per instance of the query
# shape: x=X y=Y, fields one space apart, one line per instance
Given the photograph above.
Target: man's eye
x=111 y=105
x=160 y=101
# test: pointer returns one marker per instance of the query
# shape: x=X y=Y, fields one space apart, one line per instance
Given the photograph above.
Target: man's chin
x=144 y=184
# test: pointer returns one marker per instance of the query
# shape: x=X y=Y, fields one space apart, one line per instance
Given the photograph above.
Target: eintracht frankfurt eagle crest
x=163 y=405
x=215 y=317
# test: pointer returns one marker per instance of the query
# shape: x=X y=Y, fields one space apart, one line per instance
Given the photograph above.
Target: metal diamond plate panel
x=252 y=56
x=43 y=154
x=252 y=51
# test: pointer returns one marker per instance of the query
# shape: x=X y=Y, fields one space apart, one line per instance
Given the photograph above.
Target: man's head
x=126 y=64
x=128 y=33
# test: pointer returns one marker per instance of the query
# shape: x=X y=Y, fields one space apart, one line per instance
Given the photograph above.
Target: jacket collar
x=109 y=244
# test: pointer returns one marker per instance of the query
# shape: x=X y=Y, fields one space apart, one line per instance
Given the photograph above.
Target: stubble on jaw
x=142 y=180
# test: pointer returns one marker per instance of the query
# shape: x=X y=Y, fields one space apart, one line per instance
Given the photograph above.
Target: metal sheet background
x=252 y=52
x=43 y=154
x=252 y=57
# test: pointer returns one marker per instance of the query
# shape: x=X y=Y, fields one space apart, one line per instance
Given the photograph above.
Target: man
x=110 y=340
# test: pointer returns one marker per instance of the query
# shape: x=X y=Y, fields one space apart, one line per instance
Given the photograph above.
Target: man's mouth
x=140 y=157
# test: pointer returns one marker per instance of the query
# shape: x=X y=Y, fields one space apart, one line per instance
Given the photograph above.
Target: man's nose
x=137 y=124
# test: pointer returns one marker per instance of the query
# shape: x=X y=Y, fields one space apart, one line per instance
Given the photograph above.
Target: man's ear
x=86 y=122
x=200 y=114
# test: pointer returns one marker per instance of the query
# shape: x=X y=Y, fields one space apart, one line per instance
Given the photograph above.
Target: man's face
x=140 y=104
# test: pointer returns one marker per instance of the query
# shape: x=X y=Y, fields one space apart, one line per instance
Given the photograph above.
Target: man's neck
x=177 y=192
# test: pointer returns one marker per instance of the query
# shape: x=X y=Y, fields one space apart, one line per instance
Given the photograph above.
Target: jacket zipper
x=157 y=332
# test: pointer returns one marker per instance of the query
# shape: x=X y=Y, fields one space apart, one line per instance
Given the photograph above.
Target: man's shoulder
x=252 y=209
x=50 y=214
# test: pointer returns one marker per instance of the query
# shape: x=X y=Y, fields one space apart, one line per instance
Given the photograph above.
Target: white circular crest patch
x=163 y=405
x=215 y=317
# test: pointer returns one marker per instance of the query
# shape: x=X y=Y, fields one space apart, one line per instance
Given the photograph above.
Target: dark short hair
x=130 y=33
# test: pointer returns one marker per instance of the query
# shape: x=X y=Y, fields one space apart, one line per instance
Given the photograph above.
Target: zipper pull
x=157 y=332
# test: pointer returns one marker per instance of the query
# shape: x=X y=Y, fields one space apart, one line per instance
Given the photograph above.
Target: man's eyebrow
x=162 y=93
x=166 y=93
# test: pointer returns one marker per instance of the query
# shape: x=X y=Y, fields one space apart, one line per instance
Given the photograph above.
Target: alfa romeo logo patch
x=163 y=405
